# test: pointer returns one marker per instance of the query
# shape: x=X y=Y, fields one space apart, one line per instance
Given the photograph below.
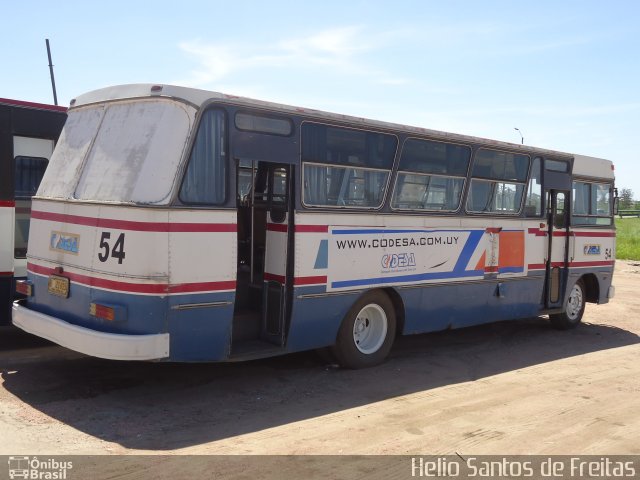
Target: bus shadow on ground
x=158 y=406
x=12 y=338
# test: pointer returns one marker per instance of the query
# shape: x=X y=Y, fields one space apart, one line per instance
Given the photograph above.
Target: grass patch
x=628 y=238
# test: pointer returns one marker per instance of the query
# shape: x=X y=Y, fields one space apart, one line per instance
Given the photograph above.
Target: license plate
x=58 y=286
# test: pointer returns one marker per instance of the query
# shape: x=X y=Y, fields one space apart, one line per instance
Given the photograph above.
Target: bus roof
x=39 y=106
x=590 y=166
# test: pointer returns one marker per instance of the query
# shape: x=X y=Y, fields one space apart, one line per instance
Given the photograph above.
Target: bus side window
x=559 y=215
x=28 y=174
x=533 y=204
x=205 y=179
x=431 y=175
x=345 y=167
x=591 y=203
x=498 y=182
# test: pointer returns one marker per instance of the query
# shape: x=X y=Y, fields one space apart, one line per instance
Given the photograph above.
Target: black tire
x=571 y=316
x=367 y=332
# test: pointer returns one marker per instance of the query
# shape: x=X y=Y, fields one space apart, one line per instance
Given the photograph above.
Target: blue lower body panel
x=427 y=308
x=199 y=325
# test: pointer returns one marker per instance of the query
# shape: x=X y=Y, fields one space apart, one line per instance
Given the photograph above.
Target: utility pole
x=53 y=80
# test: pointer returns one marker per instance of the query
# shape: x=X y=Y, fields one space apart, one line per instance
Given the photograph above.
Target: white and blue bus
x=28 y=132
x=183 y=225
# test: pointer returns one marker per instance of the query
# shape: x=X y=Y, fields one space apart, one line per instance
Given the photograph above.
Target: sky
x=565 y=73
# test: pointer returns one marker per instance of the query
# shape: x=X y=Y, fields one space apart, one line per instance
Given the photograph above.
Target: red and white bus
x=184 y=225
x=28 y=132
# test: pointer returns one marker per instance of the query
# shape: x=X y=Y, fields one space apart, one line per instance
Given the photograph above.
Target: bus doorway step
x=253 y=350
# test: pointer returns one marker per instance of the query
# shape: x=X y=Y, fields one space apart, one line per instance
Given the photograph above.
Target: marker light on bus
x=25 y=287
x=102 y=311
x=156 y=89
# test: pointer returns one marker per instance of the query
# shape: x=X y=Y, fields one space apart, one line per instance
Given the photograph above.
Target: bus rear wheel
x=573 y=309
x=367 y=332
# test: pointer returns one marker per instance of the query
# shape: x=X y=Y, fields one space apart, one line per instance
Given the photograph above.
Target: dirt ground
x=506 y=388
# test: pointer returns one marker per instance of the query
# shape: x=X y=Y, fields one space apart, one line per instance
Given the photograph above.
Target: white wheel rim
x=574 y=304
x=370 y=329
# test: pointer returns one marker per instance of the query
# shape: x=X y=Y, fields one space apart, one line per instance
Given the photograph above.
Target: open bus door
x=277 y=274
x=265 y=229
x=557 y=267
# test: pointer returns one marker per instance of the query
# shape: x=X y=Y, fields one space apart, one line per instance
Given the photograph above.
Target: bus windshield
x=121 y=152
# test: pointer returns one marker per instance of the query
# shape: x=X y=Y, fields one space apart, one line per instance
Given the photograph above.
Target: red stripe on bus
x=575 y=233
x=310 y=280
x=7 y=203
x=6 y=274
x=130 y=287
x=43 y=106
x=594 y=234
x=320 y=279
x=604 y=263
x=312 y=228
x=277 y=227
x=272 y=277
x=537 y=266
x=134 y=225
x=491 y=268
x=202 y=286
x=537 y=232
x=544 y=233
x=542 y=266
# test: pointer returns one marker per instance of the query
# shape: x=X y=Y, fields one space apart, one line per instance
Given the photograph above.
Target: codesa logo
x=398 y=260
x=65 y=242
x=592 y=250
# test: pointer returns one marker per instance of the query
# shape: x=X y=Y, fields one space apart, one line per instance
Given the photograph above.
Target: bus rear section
x=28 y=132
x=111 y=270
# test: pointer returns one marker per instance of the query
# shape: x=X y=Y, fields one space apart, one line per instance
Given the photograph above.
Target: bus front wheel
x=573 y=309
x=367 y=332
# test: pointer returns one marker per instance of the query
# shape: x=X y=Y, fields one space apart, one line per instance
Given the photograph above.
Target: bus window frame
x=397 y=171
x=23 y=198
x=302 y=164
x=184 y=164
x=551 y=163
x=593 y=181
x=524 y=183
x=15 y=170
x=541 y=159
x=419 y=210
x=344 y=167
x=265 y=115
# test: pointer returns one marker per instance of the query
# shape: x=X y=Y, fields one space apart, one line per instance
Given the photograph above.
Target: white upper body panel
x=125 y=144
x=584 y=166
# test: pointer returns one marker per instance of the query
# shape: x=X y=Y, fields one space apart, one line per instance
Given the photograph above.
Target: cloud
x=216 y=61
x=330 y=45
x=337 y=50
